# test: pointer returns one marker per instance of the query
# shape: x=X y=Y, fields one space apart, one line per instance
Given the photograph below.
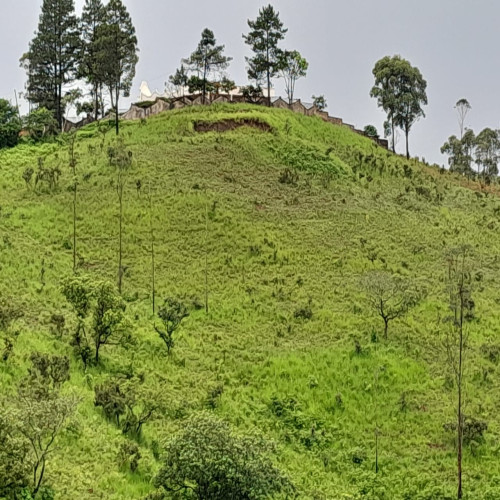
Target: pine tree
x=265 y=34
x=116 y=54
x=90 y=22
x=51 y=59
x=207 y=59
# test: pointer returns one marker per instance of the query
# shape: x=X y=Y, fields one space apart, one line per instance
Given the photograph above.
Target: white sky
x=453 y=42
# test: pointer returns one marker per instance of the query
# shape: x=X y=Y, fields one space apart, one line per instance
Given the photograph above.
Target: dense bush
x=208 y=460
x=10 y=125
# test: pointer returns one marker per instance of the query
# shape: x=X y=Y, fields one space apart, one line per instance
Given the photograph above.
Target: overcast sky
x=454 y=43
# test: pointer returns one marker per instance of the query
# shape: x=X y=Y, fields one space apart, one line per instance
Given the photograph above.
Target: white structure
x=147 y=95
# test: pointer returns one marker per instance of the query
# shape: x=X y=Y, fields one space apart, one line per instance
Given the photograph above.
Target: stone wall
x=160 y=105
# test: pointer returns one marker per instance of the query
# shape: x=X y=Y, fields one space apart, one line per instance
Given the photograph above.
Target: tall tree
x=207 y=59
x=10 y=124
x=461 y=308
x=180 y=80
x=460 y=152
x=292 y=66
x=50 y=62
x=400 y=91
x=488 y=152
x=463 y=107
x=116 y=53
x=88 y=68
x=265 y=34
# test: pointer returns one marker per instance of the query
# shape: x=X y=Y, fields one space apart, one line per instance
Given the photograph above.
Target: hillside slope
x=283 y=217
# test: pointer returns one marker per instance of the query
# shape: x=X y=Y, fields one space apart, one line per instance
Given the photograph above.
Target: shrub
x=207 y=459
x=10 y=125
x=288 y=176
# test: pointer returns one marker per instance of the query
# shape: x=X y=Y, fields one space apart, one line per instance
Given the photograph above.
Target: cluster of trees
x=99 y=49
x=400 y=90
x=204 y=70
x=482 y=150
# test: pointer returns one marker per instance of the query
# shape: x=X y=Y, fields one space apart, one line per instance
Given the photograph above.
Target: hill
x=281 y=215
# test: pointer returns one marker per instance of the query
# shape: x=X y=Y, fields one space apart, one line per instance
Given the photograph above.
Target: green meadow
x=276 y=224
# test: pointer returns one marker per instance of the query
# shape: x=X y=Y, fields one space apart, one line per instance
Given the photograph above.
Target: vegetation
x=207 y=60
x=264 y=37
x=50 y=62
x=400 y=91
x=208 y=461
x=290 y=346
x=10 y=125
x=292 y=67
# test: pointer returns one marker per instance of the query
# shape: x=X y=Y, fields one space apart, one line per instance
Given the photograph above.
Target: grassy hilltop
x=298 y=211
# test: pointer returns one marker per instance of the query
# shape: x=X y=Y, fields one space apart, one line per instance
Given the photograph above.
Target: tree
x=487 y=152
x=51 y=58
x=171 y=313
x=100 y=315
x=320 y=102
x=116 y=54
x=152 y=251
x=265 y=34
x=371 y=131
x=207 y=59
x=10 y=125
x=108 y=326
x=208 y=460
x=14 y=451
x=460 y=152
x=463 y=107
x=42 y=412
x=124 y=398
x=400 y=91
x=121 y=158
x=461 y=308
x=88 y=64
x=411 y=97
x=179 y=79
x=40 y=124
x=74 y=187
x=389 y=296
x=292 y=67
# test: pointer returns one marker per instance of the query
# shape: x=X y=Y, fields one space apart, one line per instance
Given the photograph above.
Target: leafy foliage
x=171 y=313
x=264 y=36
x=50 y=62
x=208 y=460
x=10 y=125
x=208 y=60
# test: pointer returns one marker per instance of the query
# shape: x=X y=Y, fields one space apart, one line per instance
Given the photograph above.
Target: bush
x=208 y=460
x=288 y=176
x=474 y=430
x=10 y=125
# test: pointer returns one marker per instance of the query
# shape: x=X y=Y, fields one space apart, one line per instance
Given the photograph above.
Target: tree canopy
x=264 y=36
x=208 y=460
x=10 y=124
x=116 y=53
x=292 y=67
x=400 y=91
x=207 y=60
x=50 y=62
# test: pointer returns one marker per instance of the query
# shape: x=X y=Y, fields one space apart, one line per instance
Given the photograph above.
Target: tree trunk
x=460 y=426
x=117 y=122
x=120 y=243
x=407 y=132
x=386 y=327
x=97 y=347
x=96 y=102
x=74 y=223
x=393 y=136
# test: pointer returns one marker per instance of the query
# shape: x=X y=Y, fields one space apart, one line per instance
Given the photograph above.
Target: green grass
x=272 y=249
